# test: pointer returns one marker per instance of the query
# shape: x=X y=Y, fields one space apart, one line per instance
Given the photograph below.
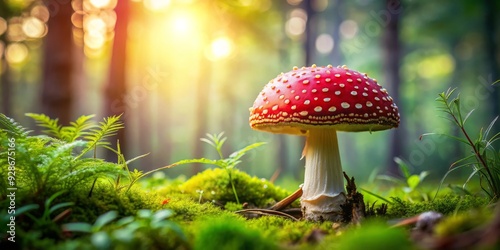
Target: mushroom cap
x=323 y=97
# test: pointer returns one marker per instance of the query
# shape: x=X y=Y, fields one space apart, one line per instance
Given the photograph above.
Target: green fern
x=51 y=126
x=107 y=128
x=10 y=126
x=77 y=129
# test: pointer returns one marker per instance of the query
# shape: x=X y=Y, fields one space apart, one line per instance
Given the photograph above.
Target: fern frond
x=51 y=126
x=78 y=128
x=107 y=128
x=10 y=126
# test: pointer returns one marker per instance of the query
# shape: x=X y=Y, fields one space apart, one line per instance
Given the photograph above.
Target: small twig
x=267 y=212
x=287 y=201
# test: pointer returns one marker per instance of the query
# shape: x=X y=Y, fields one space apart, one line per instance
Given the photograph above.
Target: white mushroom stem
x=323 y=189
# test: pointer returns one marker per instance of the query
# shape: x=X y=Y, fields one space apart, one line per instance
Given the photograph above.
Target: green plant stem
x=232 y=185
x=462 y=128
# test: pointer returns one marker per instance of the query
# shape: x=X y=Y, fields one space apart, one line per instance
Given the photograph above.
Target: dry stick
x=287 y=201
x=267 y=212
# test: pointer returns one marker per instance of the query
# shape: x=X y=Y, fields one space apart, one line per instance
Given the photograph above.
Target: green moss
x=462 y=222
x=230 y=233
x=186 y=209
x=285 y=230
x=446 y=205
x=371 y=235
x=215 y=185
x=105 y=198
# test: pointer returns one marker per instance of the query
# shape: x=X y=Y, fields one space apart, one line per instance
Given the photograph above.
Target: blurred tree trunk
x=492 y=53
x=5 y=88
x=202 y=103
x=336 y=18
x=116 y=87
x=57 y=92
x=392 y=78
x=283 y=164
x=309 y=33
x=5 y=84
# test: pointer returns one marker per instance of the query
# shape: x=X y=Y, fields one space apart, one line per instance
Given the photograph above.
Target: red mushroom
x=317 y=102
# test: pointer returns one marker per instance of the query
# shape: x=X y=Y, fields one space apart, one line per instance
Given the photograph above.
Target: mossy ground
x=200 y=208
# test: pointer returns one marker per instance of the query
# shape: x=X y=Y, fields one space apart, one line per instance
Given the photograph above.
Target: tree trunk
x=309 y=33
x=202 y=106
x=57 y=94
x=492 y=53
x=392 y=78
x=116 y=87
x=5 y=87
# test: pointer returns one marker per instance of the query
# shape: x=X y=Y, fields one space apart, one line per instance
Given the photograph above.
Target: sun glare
x=156 y=5
x=182 y=24
x=220 y=48
x=100 y=4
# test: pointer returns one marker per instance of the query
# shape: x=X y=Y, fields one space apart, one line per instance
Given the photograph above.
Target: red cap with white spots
x=326 y=97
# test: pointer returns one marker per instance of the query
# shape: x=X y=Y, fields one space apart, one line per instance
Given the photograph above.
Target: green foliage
x=217 y=187
x=216 y=141
x=446 y=204
x=407 y=187
x=228 y=164
x=484 y=159
x=228 y=233
x=45 y=164
x=373 y=235
x=8 y=125
x=145 y=230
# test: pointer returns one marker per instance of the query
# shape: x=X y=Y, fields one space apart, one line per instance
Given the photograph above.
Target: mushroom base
x=323 y=208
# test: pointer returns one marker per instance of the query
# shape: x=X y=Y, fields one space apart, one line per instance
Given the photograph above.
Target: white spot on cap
x=365 y=115
x=284 y=114
x=358 y=106
x=354 y=92
x=337 y=92
x=341 y=85
x=305 y=82
x=369 y=104
x=327 y=99
x=376 y=98
x=275 y=107
x=293 y=107
x=383 y=98
x=297 y=97
x=287 y=101
x=318 y=109
x=314 y=90
x=337 y=75
x=365 y=94
x=304 y=91
x=332 y=109
x=345 y=105
x=281 y=97
x=306 y=102
x=349 y=80
x=374 y=91
x=264 y=111
x=325 y=90
x=303 y=113
x=328 y=80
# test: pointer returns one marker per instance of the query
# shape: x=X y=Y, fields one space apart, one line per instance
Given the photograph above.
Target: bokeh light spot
x=436 y=66
x=156 y=5
x=100 y=4
x=348 y=29
x=34 y=27
x=324 y=43
x=3 y=26
x=16 y=53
